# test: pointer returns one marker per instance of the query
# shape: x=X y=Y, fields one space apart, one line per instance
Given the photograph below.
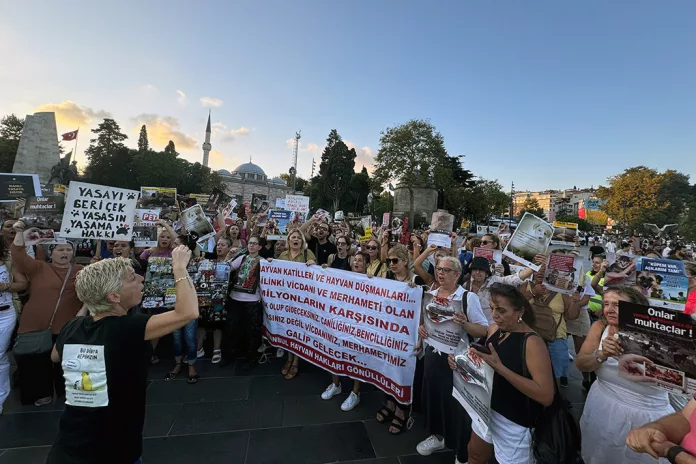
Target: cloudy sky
x=545 y=93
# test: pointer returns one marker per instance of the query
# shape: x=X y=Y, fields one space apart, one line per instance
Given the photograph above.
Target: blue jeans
x=559 y=357
x=185 y=335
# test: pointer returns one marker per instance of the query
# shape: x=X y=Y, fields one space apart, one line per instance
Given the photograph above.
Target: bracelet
x=673 y=452
x=181 y=278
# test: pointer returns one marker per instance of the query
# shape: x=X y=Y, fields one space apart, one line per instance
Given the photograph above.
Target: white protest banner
x=473 y=385
x=280 y=203
x=145 y=227
x=98 y=211
x=297 y=203
x=344 y=322
x=532 y=237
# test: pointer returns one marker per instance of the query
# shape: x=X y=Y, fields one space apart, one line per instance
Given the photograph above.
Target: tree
x=532 y=206
x=110 y=161
x=143 y=144
x=633 y=197
x=335 y=172
x=484 y=200
x=301 y=184
x=451 y=181
x=170 y=148
x=355 y=198
x=409 y=154
x=10 y=131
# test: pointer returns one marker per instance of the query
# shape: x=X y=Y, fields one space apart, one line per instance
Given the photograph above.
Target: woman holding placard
x=297 y=252
x=52 y=302
x=614 y=404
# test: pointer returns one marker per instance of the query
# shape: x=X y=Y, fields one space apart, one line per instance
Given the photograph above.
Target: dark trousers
x=39 y=377
x=244 y=331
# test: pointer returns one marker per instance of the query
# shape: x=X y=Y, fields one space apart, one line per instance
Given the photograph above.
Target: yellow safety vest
x=596 y=300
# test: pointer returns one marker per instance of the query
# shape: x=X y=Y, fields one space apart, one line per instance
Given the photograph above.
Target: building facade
x=249 y=179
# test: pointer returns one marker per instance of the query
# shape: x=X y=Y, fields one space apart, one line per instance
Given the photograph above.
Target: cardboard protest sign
x=13 y=186
x=443 y=333
x=98 y=211
x=622 y=271
x=473 y=384
x=658 y=346
x=145 y=227
x=344 y=322
x=441 y=226
x=153 y=197
x=531 y=237
x=297 y=203
x=562 y=273
x=564 y=233
x=280 y=203
x=663 y=281
x=197 y=223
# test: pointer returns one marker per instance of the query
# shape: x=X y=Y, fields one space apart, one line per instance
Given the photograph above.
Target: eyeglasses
x=446 y=270
x=341 y=244
x=371 y=247
x=393 y=260
x=254 y=243
x=485 y=242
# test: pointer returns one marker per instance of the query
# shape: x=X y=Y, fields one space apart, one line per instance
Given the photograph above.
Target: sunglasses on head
x=393 y=260
x=370 y=247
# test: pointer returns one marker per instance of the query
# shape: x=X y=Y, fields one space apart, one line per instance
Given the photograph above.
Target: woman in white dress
x=614 y=405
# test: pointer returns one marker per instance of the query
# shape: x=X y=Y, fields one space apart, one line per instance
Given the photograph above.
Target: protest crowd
x=466 y=332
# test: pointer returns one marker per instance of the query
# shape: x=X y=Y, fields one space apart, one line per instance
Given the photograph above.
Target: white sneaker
x=430 y=445
x=280 y=352
x=350 y=402
x=570 y=357
x=331 y=391
x=200 y=353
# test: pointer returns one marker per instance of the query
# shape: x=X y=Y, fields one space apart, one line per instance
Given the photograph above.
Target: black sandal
x=398 y=423
x=193 y=378
x=172 y=375
x=386 y=414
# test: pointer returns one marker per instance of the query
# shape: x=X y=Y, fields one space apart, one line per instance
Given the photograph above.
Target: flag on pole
x=70 y=135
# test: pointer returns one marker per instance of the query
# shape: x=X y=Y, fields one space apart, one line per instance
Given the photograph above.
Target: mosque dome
x=278 y=180
x=224 y=172
x=249 y=168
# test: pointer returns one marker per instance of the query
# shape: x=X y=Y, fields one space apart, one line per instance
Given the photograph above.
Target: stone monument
x=38 y=146
x=424 y=204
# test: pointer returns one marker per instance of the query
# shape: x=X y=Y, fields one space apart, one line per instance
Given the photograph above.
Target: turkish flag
x=70 y=135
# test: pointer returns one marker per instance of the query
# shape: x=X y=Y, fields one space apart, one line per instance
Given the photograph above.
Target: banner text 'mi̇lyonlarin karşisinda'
x=347 y=323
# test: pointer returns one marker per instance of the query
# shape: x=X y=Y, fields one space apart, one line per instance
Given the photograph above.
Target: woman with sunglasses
x=375 y=268
x=296 y=251
x=492 y=242
x=446 y=420
x=340 y=259
x=357 y=264
x=522 y=381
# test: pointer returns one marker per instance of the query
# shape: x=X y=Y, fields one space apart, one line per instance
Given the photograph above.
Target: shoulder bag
x=40 y=341
x=555 y=434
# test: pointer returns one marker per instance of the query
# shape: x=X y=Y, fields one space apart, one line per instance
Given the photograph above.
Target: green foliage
x=143 y=143
x=335 y=173
x=301 y=184
x=355 y=198
x=532 y=206
x=112 y=163
x=10 y=132
x=484 y=200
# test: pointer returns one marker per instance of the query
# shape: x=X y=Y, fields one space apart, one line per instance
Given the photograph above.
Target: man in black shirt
x=319 y=243
x=596 y=249
x=105 y=358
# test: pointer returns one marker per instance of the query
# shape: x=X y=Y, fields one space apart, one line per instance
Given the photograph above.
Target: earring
x=519 y=320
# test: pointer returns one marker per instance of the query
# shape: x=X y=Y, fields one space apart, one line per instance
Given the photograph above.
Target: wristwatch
x=672 y=453
x=597 y=358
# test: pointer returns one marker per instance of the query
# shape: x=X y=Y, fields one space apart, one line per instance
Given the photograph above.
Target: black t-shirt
x=322 y=252
x=341 y=263
x=105 y=365
x=596 y=250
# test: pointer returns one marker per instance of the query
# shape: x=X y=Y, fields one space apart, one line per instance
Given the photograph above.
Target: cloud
x=225 y=134
x=71 y=114
x=312 y=147
x=305 y=147
x=150 y=89
x=211 y=102
x=181 y=97
x=219 y=161
x=365 y=157
x=162 y=129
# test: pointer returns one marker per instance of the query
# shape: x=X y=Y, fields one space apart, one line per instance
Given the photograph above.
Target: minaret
x=206 y=145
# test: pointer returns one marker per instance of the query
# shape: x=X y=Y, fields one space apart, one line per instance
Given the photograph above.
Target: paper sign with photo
x=99 y=211
x=281 y=221
x=663 y=281
x=441 y=225
x=532 y=237
x=196 y=222
x=503 y=229
x=158 y=290
x=385 y=219
x=145 y=227
x=473 y=384
x=485 y=230
x=13 y=186
x=658 y=347
x=218 y=199
x=44 y=212
x=562 y=273
x=297 y=203
x=493 y=256
x=153 y=197
x=564 y=233
x=622 y=271
x=443 y=333
x=257 y=201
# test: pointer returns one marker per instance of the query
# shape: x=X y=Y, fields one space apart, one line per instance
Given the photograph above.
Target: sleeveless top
x=507 y=400
x=340 y=263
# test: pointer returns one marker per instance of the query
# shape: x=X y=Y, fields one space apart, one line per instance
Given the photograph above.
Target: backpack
x=544 y=323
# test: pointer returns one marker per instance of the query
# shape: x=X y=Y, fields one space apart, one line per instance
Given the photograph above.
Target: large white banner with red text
x=347 y=323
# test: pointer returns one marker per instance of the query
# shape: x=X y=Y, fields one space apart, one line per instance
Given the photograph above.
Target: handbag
x=40 y=341
x=555 y=434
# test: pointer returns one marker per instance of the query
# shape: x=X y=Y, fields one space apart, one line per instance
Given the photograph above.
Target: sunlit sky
x=548 y=94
